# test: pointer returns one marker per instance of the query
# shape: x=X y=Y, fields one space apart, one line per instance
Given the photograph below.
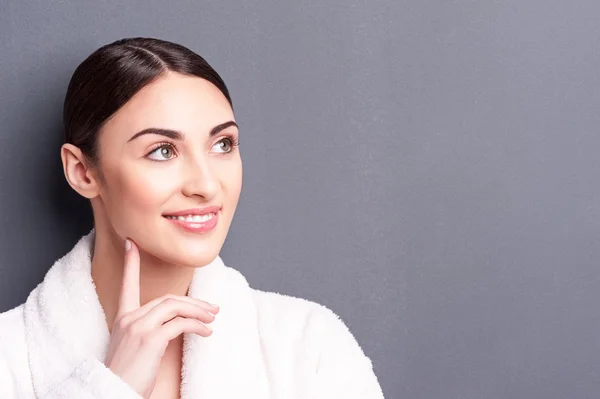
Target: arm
x=91 y=379
x=7 y=384
x=343 y=370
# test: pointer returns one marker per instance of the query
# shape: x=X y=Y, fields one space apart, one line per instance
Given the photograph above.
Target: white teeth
x=193 y=218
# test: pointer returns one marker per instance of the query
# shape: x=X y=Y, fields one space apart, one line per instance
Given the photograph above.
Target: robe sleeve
x=91 y=379
x=7 y=383
x=343 y=370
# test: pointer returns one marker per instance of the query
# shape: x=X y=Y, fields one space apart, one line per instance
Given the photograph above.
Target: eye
x=227 y=144
x=165 y=152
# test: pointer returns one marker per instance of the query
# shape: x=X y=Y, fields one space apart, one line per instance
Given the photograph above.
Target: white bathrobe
x=264 y=344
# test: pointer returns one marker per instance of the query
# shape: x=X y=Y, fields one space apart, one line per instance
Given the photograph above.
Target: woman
x=151 y=140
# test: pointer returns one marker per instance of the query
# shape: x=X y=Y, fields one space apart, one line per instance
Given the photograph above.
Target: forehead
x=173 y=101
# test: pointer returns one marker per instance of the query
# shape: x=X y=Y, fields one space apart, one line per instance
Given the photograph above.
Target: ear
x=78 y=173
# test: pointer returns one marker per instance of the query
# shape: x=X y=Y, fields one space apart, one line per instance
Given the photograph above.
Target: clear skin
x=143 y=290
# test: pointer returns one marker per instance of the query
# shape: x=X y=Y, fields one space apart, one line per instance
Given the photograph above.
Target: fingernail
x=127 y=245
x=214 y=306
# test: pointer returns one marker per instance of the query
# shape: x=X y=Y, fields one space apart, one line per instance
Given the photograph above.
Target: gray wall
x=427 y=169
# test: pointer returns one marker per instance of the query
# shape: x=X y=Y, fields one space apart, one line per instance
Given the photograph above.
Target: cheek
x=141 y=196
x=231 y=180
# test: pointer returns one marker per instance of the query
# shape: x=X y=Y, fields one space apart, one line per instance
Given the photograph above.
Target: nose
x=201 y=179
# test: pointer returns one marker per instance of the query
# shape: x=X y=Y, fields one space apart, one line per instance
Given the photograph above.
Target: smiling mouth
x=192 y=218
x=199 y=224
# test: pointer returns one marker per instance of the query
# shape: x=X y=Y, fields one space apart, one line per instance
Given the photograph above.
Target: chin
x=199 y=261
x=194 y=258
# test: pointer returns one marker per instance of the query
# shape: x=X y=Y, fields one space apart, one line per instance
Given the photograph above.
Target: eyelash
x=233 y=139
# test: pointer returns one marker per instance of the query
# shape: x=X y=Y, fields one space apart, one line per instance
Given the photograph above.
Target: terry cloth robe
x=264 y=344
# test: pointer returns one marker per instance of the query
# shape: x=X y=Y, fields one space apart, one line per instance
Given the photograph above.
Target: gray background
x=427 y=169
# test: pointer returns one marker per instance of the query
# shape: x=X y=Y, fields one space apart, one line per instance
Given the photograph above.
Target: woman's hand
x=140 y=335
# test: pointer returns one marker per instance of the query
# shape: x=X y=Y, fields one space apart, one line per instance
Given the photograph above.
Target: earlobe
x=77 y=171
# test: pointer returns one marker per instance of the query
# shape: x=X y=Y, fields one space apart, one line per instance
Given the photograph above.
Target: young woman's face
x=151 y=176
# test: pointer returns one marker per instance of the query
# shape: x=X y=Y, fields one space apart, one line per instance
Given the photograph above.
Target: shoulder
x=302 y=320
x=12 y=330
x=273 y=305
x=14 y=365
x=319 y=341
x=290 y=311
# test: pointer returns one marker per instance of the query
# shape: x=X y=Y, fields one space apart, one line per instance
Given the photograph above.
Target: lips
x=195 y=211
x=195 y=222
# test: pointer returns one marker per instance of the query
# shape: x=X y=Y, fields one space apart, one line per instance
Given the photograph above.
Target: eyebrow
x=175 y=135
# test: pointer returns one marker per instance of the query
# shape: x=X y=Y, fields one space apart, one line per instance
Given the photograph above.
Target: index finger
x=129 y=298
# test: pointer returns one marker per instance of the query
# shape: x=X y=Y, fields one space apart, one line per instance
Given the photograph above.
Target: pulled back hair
x=113 y=74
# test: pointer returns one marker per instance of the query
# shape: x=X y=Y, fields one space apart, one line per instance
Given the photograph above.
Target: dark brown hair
x=114 y=73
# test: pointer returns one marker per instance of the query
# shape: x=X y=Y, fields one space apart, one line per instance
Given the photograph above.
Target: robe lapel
x=229 y=363
x=65 y=323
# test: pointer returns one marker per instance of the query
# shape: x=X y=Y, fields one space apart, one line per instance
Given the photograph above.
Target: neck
x=157 y=278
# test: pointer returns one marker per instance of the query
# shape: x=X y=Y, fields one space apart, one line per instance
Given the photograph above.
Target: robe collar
x=65 y=324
